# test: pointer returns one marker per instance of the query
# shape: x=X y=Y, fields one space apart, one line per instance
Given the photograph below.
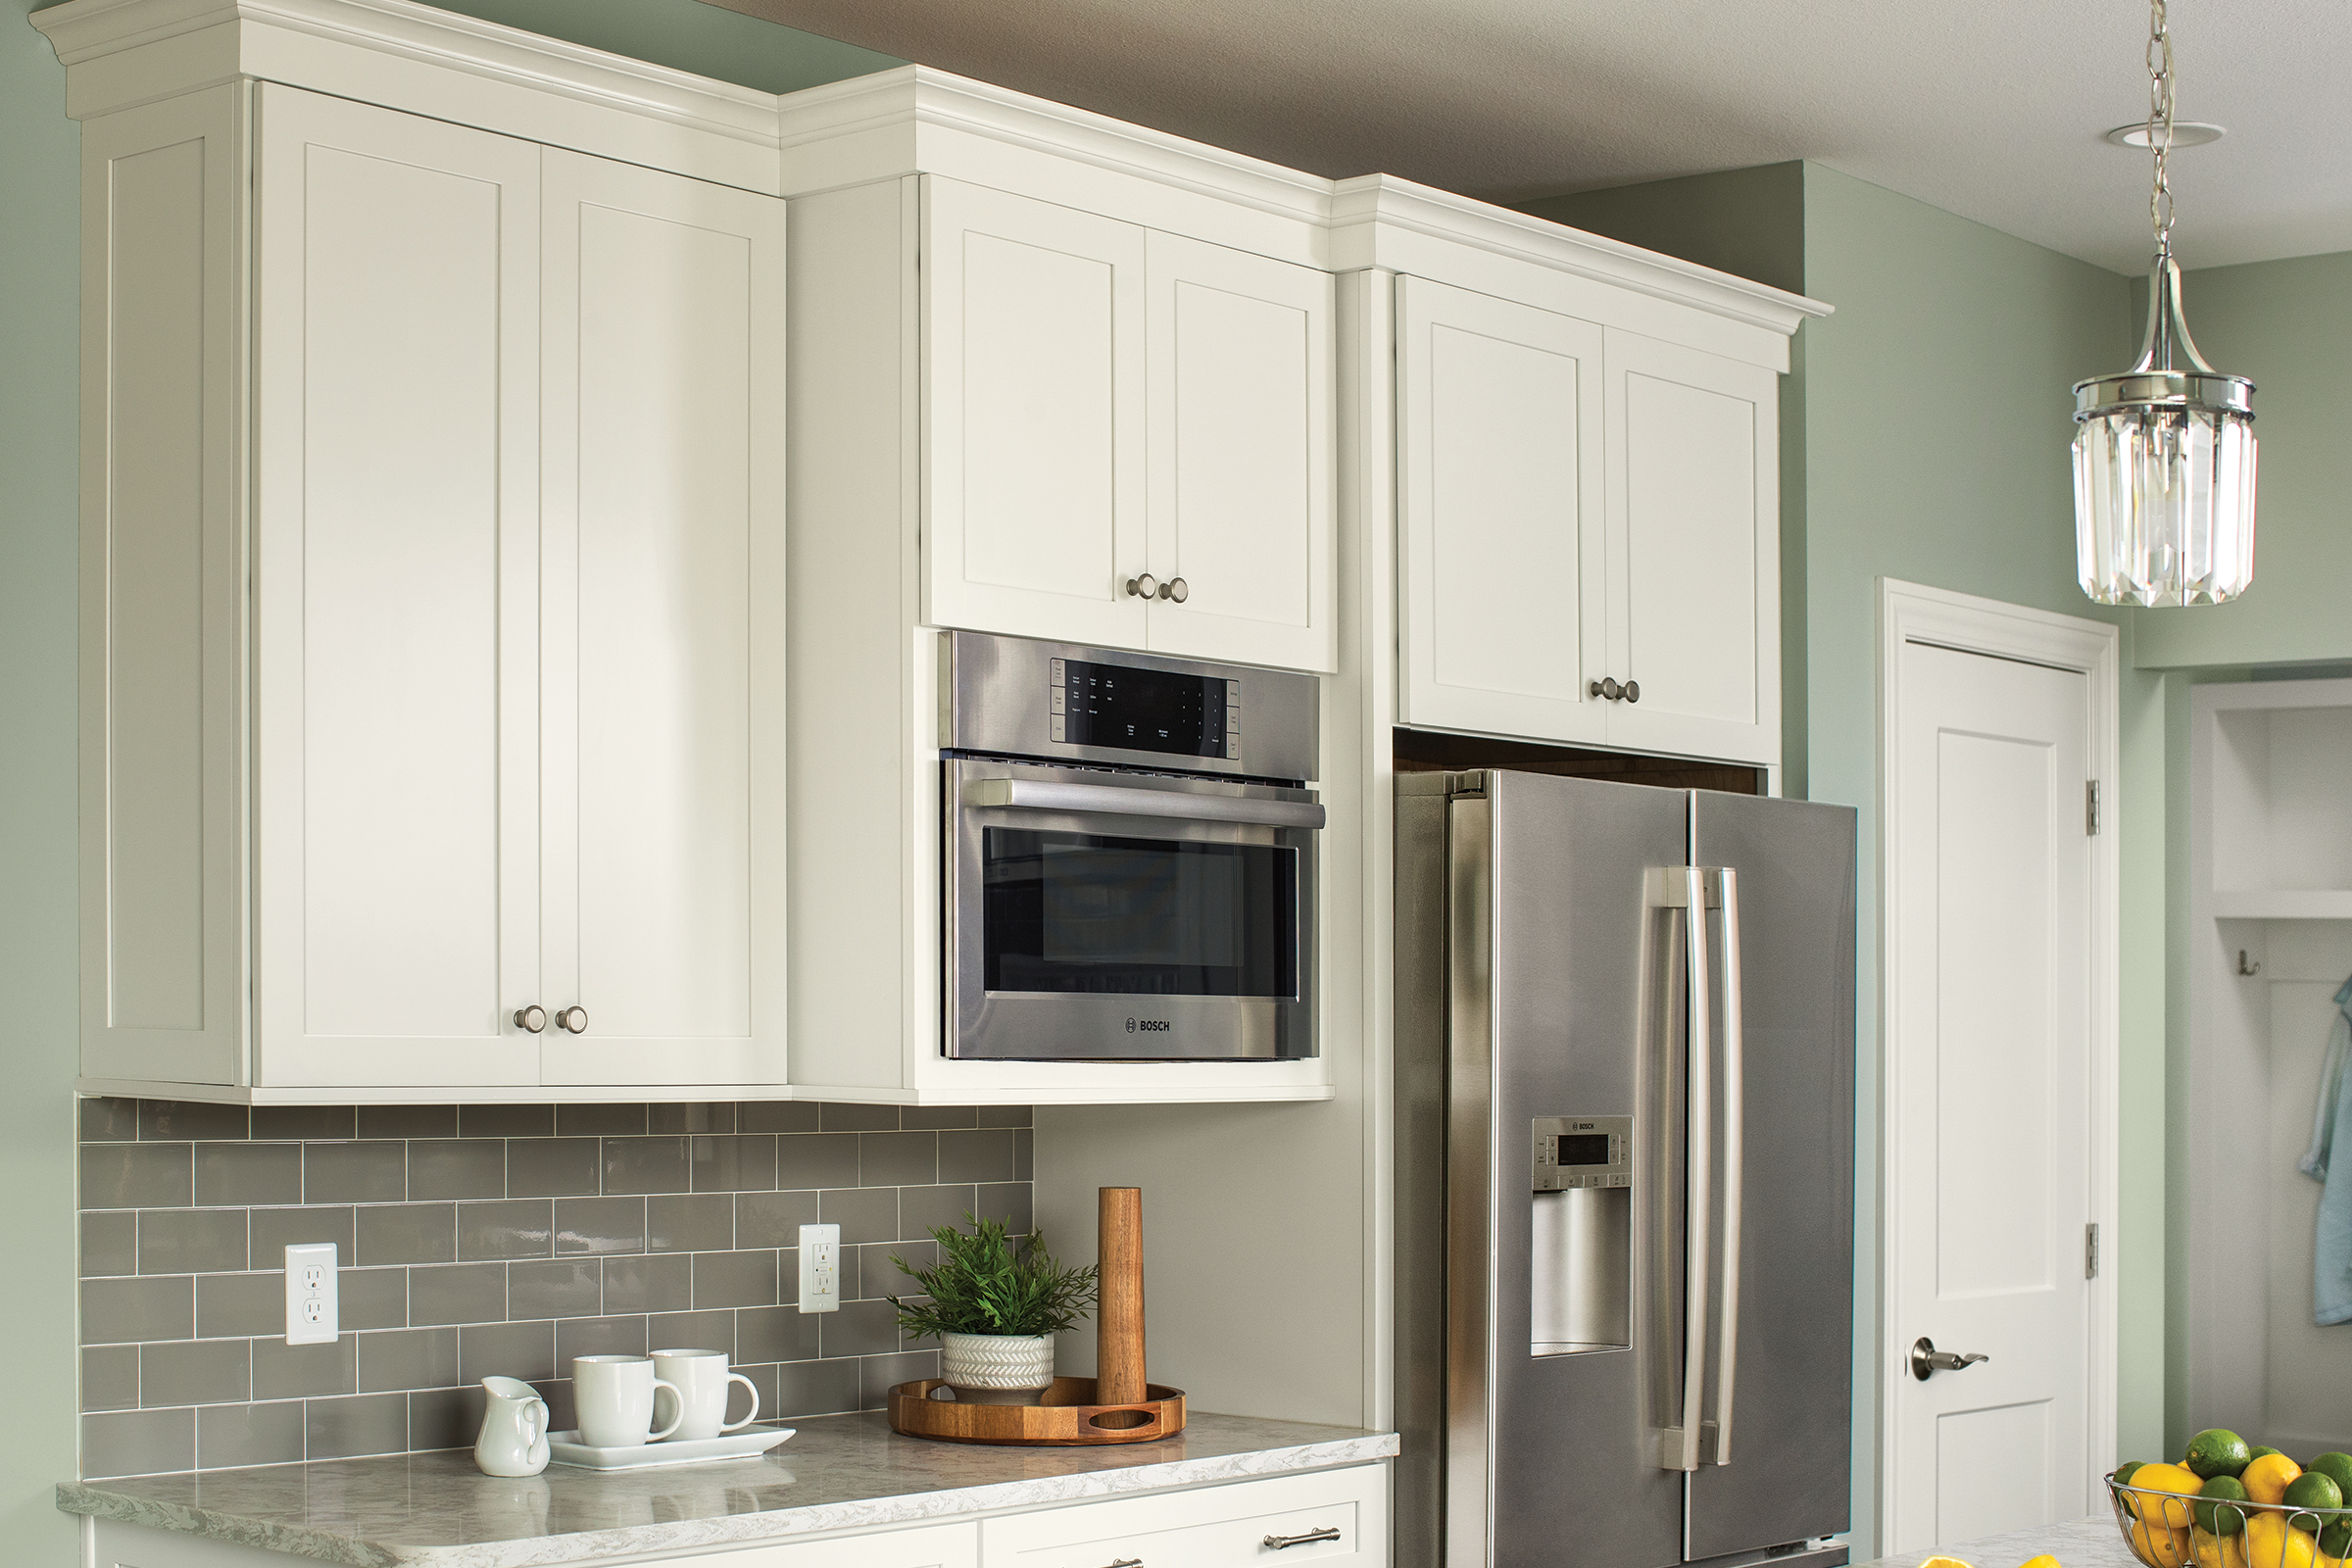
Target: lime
x=2218 y=1451
x=2335 y=1539
x=2338 y=1467
x=2313 y=1489
x=2215 y=1519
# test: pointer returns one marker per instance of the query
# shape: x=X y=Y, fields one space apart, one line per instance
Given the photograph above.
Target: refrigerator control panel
x=1574 y=1152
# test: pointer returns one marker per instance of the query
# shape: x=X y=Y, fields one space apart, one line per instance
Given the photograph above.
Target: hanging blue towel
x=2332 y=1245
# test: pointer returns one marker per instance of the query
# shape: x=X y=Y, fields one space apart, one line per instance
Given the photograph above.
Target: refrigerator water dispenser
x=1580 y=1281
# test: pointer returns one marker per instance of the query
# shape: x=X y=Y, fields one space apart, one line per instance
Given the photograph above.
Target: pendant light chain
x=2160 y=122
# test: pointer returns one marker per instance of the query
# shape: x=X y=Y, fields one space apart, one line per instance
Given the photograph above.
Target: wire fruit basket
x=2171 y=1530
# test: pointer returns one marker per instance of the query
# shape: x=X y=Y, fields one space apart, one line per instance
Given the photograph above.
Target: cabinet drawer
x=1211 y=1527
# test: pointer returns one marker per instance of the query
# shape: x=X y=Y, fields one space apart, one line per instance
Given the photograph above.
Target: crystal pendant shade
x=2163 y=470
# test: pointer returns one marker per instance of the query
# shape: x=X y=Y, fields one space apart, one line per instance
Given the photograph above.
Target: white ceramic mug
x=614 y=1395
x=701 y=1381
x=513 y=1436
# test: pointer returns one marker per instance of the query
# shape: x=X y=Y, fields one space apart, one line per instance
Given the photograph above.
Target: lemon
x=2149 y=1484
x=2267 y=1478
x=2270 y=1543
x=2218 y=1551
x=2156 y=1546
x=2218 y=1451
x=2045 y=1560
x=1945 y=1562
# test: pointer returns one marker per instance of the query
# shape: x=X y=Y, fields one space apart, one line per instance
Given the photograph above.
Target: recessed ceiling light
x=2185 y=133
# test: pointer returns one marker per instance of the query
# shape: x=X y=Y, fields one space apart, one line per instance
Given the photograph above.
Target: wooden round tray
x=1064 y=1415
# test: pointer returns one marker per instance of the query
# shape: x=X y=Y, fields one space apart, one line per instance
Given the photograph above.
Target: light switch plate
x=314 y=1303
x=821 y=1268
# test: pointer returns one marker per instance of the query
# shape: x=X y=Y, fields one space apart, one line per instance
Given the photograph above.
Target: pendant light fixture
x=2163 y=452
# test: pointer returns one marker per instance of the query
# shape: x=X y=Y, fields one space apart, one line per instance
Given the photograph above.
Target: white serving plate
x=566 y=1447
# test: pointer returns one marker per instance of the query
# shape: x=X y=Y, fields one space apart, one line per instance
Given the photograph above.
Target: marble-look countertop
x=2091 y=1541
x=841 y=1472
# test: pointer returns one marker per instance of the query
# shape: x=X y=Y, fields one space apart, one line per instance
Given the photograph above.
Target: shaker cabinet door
x=395 y=633
x=1033 y=429
x=1499 y=429
x=1693 y=550
x=1241 y=521
x=662 y=627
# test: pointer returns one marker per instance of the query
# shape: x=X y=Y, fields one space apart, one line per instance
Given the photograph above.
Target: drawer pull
x=1278 y=1543
x=1126 y=1562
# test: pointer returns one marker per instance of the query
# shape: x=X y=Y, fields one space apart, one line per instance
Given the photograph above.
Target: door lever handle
x=1927 y=1361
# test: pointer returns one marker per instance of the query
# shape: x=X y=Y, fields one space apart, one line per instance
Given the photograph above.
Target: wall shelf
x=2283 y=903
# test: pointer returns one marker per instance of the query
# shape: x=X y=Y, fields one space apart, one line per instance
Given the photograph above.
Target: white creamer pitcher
x=514 y=1440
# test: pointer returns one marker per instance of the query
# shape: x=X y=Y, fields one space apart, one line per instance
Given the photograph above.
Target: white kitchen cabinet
x=1323 y=1516
x=1504 y=579
x=1693 y=550
x=948 y=1545
x=514 y=543
x=1583 y=511
x=1109 y=409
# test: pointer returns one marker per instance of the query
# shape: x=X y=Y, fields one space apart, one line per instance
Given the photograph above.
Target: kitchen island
x=2091 y=1541
x=845 y=1473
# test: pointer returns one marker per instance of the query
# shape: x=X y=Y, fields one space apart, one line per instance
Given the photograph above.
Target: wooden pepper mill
x=1119 y=1313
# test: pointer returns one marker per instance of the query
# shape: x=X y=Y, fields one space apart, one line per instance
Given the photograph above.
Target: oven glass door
x=1108 y=932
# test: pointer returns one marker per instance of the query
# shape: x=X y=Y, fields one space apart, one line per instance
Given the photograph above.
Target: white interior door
x=1033 y=429
x=663 y=627
x=1499 y=430
x=1241 y=518
x=1991 y=1136
x=396 y=590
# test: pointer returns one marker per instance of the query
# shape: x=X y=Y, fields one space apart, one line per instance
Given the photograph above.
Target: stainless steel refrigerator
x=1624 y=1246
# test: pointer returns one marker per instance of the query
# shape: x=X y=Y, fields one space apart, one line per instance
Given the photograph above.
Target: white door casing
x=1997 y=1115
x=1499 y=496
x=1240 y=467
x=663 y=626
x=395 y=600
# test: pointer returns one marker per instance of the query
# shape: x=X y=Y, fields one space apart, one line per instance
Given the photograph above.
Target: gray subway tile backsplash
x=501 y=1238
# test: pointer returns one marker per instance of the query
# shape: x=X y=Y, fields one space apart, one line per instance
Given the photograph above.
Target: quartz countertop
x=2091 y=1541
x=842 y=1472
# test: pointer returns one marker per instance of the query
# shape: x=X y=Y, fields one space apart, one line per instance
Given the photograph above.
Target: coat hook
x=2245 y=968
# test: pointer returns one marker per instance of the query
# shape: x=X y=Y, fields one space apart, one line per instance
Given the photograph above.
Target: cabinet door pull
x=1145 y=587
x=1176 y=589
x=573 y=1020
x=532 y=1017
x=1278 y=1543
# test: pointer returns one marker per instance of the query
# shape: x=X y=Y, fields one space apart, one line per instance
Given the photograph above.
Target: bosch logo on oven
x=1147 y=1026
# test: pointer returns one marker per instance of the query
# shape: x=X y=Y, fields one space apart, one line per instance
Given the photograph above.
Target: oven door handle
x=1039 y=794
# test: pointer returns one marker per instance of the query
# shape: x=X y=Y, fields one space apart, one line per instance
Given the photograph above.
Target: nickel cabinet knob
x=572 y=1020
x=1632 y=691
x=532 y=1017
x=1145 y=587
x=1175 y=589
x=1605 y=687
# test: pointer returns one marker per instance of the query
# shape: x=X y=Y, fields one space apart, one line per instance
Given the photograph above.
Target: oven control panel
x=1132 y=708
x=1576 y=1151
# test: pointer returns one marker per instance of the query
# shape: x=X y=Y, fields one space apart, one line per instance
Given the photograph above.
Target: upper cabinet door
x=1241 y=520
x=1033 y=496
x=663 y=627
x=1694 y=514
x=1499 y=501
x=396 y=667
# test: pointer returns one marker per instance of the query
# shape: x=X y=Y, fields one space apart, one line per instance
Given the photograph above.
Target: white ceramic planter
x=997 y=1368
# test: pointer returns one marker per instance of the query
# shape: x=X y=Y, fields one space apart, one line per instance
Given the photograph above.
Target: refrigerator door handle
x=1685 y=887
x=1732 y=1112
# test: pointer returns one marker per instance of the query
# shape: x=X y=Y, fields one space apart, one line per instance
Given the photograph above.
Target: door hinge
x=2091 y=1250
x=2091 y=808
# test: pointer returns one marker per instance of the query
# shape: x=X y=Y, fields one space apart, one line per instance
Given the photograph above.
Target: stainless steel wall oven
x=1129 y=856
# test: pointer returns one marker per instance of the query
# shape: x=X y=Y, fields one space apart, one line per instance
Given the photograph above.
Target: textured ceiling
x=1992 y=110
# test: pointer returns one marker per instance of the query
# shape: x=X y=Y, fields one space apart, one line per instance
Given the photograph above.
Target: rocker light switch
x=821 y=1268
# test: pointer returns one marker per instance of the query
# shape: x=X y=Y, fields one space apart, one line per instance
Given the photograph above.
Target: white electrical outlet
x=314 y=1304
x=821 y=1268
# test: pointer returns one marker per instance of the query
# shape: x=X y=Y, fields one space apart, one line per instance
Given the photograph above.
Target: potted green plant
x=995 y=1306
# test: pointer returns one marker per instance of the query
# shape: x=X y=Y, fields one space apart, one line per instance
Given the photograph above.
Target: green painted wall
x=1931 y=417
x=39 y=382
x=2289 y=325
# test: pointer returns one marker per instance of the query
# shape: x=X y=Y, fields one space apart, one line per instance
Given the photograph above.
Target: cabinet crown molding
x=1370 y=212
